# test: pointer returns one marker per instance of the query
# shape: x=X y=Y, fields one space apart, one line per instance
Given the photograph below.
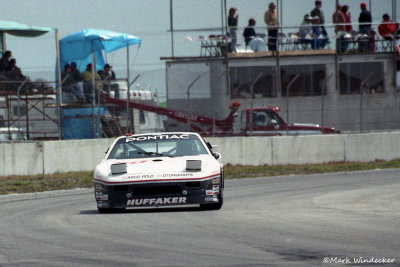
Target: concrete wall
x=83 y=155
x=308 y=149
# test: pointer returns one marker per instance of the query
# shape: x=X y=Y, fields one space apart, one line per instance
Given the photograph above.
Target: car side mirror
x=216 y=155
x=107 y=150
x=209 y=145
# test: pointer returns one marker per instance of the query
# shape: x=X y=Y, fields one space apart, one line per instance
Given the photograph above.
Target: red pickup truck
x=267 y=121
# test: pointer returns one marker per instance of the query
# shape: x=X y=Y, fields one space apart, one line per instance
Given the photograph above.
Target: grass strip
x=70 y=180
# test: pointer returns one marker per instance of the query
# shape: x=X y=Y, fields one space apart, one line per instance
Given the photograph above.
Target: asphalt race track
x=278 y=221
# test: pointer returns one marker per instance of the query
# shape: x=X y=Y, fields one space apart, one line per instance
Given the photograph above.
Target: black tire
x=214 y=206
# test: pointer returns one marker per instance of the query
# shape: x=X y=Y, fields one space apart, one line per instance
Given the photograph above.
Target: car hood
x=157 y=169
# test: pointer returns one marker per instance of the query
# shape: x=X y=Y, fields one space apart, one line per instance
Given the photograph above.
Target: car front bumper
x=158 y=194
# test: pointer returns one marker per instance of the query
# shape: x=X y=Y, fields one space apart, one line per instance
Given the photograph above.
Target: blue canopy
x=79 y=46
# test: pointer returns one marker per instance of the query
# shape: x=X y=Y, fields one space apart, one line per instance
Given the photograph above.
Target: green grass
x=38 y=183
x=58 y=181
x=239 y=171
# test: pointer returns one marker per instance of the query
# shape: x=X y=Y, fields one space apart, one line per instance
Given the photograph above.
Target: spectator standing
x=317 y=12
x=389 y=29
x=340 y=28
x=347 y=18
x=233 y=19
x=107 y=75
x=365 y=19
x=87 y=83
x=271 y=19
x=305 y=31
x=5 y=61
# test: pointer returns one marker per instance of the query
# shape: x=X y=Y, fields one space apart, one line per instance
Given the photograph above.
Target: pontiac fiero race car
x=160 y=169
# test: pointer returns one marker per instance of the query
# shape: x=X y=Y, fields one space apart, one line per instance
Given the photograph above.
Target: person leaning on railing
x=14 y=73
x=70 y=86
x=252 y=39
x=107 y=75
x=389 y=29
x=340 y=29
x=5 y=61
x=319 y=40
x=306 y=31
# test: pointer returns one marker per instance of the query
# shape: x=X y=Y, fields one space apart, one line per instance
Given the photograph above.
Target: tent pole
x=171 y=25
x=93 y=96
x=128 y=92
x=59 y=87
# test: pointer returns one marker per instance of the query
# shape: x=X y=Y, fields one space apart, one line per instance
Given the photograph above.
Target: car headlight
x=118 y=168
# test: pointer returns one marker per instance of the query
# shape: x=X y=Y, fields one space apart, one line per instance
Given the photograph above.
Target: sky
x=150 y=20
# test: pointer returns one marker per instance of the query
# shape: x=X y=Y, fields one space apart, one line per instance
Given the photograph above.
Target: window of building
x=19 y=111
x=352 y=76
x=310 y=82
x=243 y=77
x=142 y=119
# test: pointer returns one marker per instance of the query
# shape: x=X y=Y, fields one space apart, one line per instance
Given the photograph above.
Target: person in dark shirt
x=69 y=85
x=5 y=61
x=107 y=75
x=75 y=73
x=249 y=31
x=317 y=12
x=232 y=23
x=364 y=19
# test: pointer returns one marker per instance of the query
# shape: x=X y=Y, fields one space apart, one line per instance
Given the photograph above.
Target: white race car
x=160 y=169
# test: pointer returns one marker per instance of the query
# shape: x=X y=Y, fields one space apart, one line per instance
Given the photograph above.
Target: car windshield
x=162 y=145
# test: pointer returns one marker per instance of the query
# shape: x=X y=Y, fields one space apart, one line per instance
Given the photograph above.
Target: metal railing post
x=323 y=99
x=287 y=101
x=362 y=91
x=251 y=102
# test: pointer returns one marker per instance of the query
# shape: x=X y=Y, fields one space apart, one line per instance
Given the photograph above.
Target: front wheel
x=214 y=206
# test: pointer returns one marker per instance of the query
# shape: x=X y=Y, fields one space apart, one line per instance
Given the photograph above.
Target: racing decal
x=134 y=162
x=210 y=192
x=155 y=201
x=178 y=175
x=158 y=137
x=100 y=196
x=98 y=186
x=144 y=176
x=216 y=188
